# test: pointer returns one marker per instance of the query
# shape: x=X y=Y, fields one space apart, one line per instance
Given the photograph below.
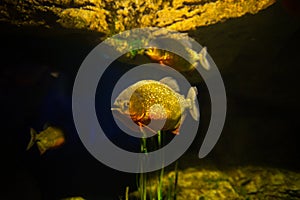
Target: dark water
x=262 y=120
x=31 y=97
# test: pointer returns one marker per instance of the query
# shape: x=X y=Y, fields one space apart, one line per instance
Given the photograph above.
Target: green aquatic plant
x=164 y=190
x=143 y=176
x=172 y=184
x=161 y=175
x=142 y=179
x=126 y=193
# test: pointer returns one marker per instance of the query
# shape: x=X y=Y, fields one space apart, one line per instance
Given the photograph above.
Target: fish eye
x=150 y=50
x=126 y=104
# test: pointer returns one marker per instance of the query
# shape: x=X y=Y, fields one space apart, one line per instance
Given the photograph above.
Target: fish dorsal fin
x=172 y=83
x=46 y=125
x=186 y=43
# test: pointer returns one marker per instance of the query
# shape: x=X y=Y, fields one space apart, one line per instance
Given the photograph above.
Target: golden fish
x=177 y=62
x=49 y=138
x=149 y=100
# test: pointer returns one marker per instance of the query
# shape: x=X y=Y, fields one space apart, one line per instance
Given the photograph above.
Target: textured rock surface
x=109 y=17
x=251 y=182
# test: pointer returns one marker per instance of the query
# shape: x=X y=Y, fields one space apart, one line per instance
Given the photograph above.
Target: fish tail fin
x=32 y=138
x=192 y=96
x=203 y=60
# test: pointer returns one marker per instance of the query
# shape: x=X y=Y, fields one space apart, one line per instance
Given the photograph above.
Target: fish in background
x=175 y=61
x=50 y=138
x=149 y=100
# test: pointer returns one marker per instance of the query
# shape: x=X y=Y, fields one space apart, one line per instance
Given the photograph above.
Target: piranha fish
x=51 y=137
x=177 y=62
x=149 y=100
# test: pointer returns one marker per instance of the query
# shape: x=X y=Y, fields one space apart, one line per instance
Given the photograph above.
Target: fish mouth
x=116 y=110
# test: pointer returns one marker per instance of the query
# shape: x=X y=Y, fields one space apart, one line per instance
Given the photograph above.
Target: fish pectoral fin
x=32 y=138
x=162 y=63
x=176 y=131
x=41 y=148
x=142 y=126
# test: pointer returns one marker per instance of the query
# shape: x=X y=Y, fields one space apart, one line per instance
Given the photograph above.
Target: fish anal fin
x=144 y=127
x=41 y=148
x=176 y=131
x=162 y=63
x=178 y=125
x=33 y=134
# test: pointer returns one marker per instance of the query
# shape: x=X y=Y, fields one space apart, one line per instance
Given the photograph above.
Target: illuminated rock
x=110 y=17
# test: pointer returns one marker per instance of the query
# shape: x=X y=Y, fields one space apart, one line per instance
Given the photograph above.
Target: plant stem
x=126 y=193
x=143 y=176
x=160 y=178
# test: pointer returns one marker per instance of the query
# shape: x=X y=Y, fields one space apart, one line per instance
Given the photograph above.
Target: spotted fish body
x=51 y=137
x=156 y=101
